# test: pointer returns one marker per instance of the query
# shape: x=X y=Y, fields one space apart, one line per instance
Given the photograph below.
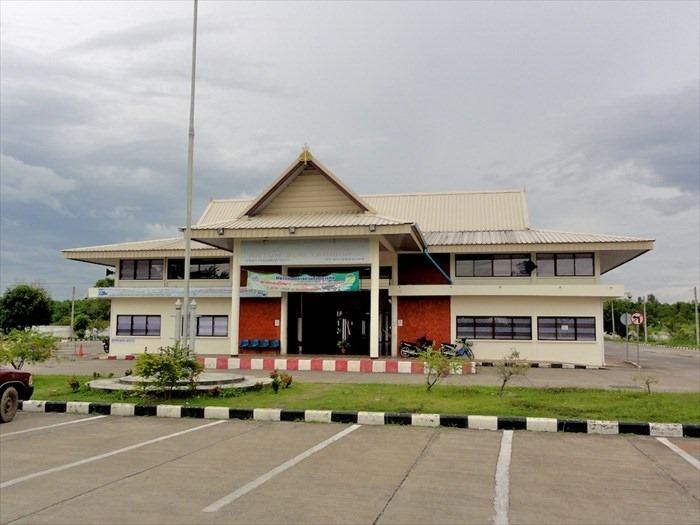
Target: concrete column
x=394 y=307
x=284 y=319
x=235 y=319
x=374 y=299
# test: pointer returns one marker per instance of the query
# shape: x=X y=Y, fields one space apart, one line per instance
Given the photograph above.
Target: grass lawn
x=562 y=403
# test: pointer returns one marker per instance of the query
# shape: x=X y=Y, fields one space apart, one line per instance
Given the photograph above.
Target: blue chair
x=275 y=343
x=265 y=343
x=244 y=343
x=254 y=343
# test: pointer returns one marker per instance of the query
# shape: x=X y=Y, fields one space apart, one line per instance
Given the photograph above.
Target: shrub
x=74 y=384
x=438 y=366
x=169 y=370
x=509 y=367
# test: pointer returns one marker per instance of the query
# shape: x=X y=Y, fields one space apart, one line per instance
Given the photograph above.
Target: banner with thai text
x=334 y=282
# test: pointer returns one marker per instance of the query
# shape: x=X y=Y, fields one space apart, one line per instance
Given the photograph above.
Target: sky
x=592 y=107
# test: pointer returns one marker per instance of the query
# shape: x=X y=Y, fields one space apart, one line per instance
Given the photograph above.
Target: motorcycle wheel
x=405 y=352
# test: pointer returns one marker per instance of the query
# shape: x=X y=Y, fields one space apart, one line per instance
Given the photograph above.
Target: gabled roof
x=305 y=165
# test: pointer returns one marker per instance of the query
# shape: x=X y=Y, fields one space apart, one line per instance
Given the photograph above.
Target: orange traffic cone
x=80 y=350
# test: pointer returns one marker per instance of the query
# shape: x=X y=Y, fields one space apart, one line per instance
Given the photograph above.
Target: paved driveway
x=80 y=469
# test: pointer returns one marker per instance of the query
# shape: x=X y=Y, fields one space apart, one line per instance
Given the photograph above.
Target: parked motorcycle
x=408 y=349
x=453 y=350
x=105 y=345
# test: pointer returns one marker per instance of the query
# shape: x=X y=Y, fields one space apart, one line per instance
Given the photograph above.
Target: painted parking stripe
x=682 y=453
x=502 y=496
x=233 y=496
x=52 y=426
x=28 y=477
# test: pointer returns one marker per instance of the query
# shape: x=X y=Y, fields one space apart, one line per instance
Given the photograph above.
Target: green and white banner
x=334 y=282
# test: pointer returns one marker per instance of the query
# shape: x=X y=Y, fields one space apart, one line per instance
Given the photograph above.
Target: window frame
x=495 y=325
x=213 y=326
x=558 y=269
x=153 y=273
x=176 y=268
x=584 y=328
x=485 y=265
x=120 y=331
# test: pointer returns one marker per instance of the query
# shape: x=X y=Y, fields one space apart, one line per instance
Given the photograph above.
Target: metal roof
x=527 y=236
x=445 y=212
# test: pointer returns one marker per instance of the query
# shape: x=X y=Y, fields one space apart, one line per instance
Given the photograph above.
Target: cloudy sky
x=593 y=107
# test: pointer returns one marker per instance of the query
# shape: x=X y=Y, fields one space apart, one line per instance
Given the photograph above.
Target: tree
x=509 y=367
x=438 y=366
x=80 y=325
x=26 y=346
x=24 y=306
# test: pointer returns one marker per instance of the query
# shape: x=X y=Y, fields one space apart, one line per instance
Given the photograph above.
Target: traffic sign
x=626 y=319
x=637 y=318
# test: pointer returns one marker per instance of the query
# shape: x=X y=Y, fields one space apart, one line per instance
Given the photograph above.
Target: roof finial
x=305 y=154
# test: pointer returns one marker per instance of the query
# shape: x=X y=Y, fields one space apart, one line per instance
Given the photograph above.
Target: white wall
x=578 y=352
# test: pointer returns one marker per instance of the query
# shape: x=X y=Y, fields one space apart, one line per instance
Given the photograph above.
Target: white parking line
x=52 y=426
x=15 y=481
x=682 y=453
x=502 y=496
x=233 y=496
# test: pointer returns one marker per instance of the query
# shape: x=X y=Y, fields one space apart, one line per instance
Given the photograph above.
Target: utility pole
x=645 y=319
x=697 y=325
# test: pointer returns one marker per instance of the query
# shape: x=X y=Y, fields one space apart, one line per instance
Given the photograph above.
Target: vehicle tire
x=470 y=354
x=405 y=352
x=8 y=404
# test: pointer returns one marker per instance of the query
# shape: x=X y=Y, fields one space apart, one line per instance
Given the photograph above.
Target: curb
x=321 y=364
x=535 y=424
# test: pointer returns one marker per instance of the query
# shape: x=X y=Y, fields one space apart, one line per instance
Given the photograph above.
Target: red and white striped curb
x=321 y=365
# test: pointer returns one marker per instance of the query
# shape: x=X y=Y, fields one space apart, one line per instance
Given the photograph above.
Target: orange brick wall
x=429 y=316
x=418 y=269
x=257 y=319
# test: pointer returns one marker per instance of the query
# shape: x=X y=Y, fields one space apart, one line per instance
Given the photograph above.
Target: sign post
x=626 y=319
x=637 y=318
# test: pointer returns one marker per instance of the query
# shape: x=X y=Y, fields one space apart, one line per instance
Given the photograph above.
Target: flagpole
x=188 y=329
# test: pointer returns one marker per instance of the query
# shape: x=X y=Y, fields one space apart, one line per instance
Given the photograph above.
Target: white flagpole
x=188 y=329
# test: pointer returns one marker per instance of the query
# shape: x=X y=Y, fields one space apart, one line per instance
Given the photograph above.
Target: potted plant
x=343 y=345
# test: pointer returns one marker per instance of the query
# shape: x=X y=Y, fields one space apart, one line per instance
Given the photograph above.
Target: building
x=391 y=268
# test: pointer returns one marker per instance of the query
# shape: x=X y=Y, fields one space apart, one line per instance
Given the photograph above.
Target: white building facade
x=309 y=263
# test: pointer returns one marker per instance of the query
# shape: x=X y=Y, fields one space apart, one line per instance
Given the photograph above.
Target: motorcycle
x=105 y=345
x=408 y=349
x=463 y=350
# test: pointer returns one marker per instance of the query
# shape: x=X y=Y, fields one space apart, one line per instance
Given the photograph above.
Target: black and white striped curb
x=536 y=424
x=544 y=365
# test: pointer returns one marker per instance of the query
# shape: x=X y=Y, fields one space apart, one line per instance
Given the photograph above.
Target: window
x=138 y=325
x=564 y=264
x=212 y=326
x=141 y=269
x=566 y=328
x=200 y=268
x=498 y=265
x=494 y=327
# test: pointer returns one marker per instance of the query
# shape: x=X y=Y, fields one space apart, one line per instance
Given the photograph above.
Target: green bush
x=168 y=370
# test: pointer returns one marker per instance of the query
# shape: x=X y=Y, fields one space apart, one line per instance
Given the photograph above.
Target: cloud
x=25 y=184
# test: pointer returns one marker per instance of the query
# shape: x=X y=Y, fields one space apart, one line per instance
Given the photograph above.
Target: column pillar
x=374 y=299
x=235 y=319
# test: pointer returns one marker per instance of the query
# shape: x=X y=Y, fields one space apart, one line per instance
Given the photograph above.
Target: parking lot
x=70 y=468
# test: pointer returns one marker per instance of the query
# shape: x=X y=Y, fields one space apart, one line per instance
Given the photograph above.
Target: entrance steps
x=322 y=364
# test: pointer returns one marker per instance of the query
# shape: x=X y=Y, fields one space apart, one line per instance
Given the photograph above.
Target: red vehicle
x=14 y=385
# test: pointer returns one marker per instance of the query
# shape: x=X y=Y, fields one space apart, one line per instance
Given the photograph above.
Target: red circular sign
x=637 y=318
